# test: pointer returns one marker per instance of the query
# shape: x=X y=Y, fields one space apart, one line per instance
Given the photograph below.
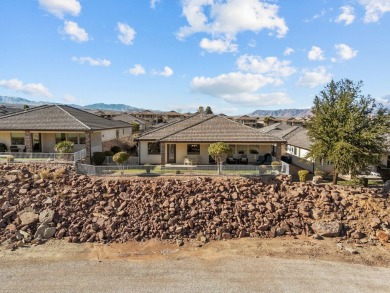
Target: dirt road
x=248 y=265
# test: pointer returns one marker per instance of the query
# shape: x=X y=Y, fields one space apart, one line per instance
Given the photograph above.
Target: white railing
x=236 y=170
x=78 y=156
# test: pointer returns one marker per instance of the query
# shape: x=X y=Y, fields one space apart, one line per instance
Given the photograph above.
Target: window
x=73 y=137
x=193 y=149
x=82 y=138
x=17 y=138
x=60 y=137
x=153 y=148
x=117 y=133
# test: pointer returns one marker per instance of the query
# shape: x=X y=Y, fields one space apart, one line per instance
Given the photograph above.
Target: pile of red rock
x=37 y=203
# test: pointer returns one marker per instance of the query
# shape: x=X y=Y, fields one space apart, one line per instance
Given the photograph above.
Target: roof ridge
x=27 y=110
x=60 y=106
x=185 y=128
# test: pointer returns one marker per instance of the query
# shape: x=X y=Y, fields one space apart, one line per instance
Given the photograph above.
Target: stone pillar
x=163 y=153
x=28 y=141
x=278 y=154
x=88 y=147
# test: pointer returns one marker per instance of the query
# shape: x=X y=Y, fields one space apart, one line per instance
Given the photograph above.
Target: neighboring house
x=40 y=128
x=247 y=120
x=158 y=117
x=191 y=137
x=143 y=124
x=171 y=115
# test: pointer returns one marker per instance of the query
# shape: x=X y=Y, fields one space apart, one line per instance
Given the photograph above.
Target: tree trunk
x=335 y=175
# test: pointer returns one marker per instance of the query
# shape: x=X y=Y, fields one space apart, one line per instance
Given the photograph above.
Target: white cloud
x=70 y=99
x=240 y=88
x=385 y=100
x=288 y=51
x=375 y=9
x=347 y=15
x=91 y=61
x=137 y=70
x=74 y=32
x=252 y=43
x=225 y=19
x=126 y=33
x=315 y=53
x=61 y=7
x=34 y=89
x=315 y=77
x=167 y=72
x=217 y=46
x=153 y=3
x=269 y=65
x=345 y=52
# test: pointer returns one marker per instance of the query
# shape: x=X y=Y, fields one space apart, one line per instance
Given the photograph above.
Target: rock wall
x=39 y=202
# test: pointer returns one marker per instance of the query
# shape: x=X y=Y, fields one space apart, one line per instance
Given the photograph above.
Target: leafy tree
x=135 y=126
x=267 y=120
x=208 y=110
x=25 y=107
x=120 y=157
x=219 y=151
x=200 y=109
x=347 y=128
x=65 y=148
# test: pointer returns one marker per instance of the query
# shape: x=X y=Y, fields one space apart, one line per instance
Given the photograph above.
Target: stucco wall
x=144 y=157
x=108 y=135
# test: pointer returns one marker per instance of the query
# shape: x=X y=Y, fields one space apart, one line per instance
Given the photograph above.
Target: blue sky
x=234 y=55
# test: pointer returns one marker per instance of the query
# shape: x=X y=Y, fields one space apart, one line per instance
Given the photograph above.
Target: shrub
x=109 y=153
x=359 y=181
x=115 y=149
x=120 y=157
x=276 y=164
x=319 y=173
x=10 y=159
x=303 y=175
x=44 y=174
x=64 y=147
x=98 y=158
x=178 y=172
x=58 y=173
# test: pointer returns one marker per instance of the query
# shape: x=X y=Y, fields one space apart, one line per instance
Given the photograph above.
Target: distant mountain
x=282 y=113
x=112 y=107
x=99 y=106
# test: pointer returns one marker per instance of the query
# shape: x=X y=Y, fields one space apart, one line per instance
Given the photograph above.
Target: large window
x=153 y=148
x=76 y=138
x=193 y=149
x=17 y=138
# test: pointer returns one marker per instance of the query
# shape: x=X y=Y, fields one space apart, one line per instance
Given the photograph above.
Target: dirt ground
x=328 y=249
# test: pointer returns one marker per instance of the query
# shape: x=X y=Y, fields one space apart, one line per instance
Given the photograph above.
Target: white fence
x=237 y=170
x=36 y=157
x=130 y=161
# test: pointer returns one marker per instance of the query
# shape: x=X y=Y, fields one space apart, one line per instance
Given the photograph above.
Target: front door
x=171 y=154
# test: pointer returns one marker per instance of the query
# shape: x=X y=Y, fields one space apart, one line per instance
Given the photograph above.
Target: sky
x=236 y=56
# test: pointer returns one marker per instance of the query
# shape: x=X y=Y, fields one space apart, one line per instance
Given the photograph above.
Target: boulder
x=327 y=229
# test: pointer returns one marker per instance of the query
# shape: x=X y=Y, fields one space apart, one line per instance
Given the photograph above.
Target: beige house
x=39 y=129
x=188 y=140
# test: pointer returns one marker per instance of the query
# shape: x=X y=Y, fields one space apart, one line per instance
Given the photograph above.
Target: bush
x=44 y=174
x=359 y=181
x=3 y=148
x=275 y=165
x=58 y=173
x=320 y=173
x=115 y=149
x=120 y=157
x=10 y=159
x=303 y=175
x=109 y=153
x=64 y=147
x=98 y=158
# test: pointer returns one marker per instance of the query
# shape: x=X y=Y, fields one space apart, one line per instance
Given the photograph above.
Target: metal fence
x=135 y=170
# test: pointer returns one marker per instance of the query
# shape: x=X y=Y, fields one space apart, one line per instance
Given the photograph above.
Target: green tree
x=200 y=109
x=208 y=110
x=135 y=126
x=65 y=148
x=347 y=128
x=267 y=120
x=120 y=158
x=219 y=151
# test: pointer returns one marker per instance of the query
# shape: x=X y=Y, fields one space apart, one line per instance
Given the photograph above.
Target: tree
x=200 y=109
x=135 y=126
x=267 y=120
x=219 y=151
x=208 y=110
x=120 y=158
x=25 y=107
x=65 y=148
x=347 y=128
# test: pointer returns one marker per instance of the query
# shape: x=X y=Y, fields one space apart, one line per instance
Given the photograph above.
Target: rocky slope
x=37 y=204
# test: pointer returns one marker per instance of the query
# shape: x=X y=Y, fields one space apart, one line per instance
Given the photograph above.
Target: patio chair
x=267 y=159
x=260 y=160
x=244 y=159
x=230 y=160
x=187 y=161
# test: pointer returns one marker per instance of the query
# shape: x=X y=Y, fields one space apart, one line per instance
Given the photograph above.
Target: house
x=40 y=128
x=191 y=137
x=143 y=124
x=247 y=120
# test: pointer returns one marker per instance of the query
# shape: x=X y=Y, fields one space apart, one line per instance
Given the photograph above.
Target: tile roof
x=279 y=129
x=208 y=128
x=300 y=139
x=8 y=110
x=129 y=119
x=57 y=117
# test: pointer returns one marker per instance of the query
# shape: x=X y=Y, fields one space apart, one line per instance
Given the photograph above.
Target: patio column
x=278 y=154
x=163 y=151
x=88 y=147
x=28 y=141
